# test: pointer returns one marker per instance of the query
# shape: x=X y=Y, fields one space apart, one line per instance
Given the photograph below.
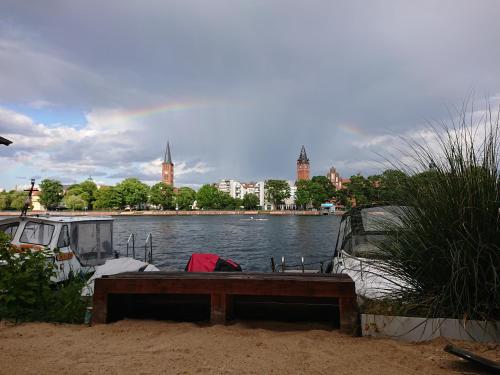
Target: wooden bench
x=223 y=286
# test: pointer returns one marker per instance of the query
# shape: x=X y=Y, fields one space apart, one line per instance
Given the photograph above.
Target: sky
x=96 y=88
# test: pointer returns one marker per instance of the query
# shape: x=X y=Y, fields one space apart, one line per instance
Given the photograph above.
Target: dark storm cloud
x=326 y=74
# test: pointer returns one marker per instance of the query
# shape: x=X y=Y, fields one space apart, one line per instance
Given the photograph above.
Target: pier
x=219 y=292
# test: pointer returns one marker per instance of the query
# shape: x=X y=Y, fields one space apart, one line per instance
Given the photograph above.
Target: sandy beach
x=149 y=347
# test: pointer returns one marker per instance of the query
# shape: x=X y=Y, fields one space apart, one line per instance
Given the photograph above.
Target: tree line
x=12 y=200
x=131 y=193
x=134 y=194
x=388 y=187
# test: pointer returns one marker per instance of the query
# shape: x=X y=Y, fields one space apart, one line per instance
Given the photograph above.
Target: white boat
x=356 y=250
x=76 y=245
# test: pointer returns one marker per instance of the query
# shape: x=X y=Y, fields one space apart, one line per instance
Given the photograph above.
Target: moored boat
x=75 y=245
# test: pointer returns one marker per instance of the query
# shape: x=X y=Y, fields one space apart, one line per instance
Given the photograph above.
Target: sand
x=149 y=347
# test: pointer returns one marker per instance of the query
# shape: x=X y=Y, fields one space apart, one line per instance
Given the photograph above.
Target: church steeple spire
x=168 y=158
x=167 y=167
x=303 y=156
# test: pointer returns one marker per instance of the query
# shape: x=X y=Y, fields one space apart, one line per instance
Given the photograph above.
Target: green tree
x=185 y=198
x=18 y=199
x=86 y=190
x=74 y=202
x=326 y=186
x=4 y=201
x=303 y=197
x=108 y=197
x=208 y=197
x=225 y=201
x=205 y=196
x=359 y=189
x=162 y=195
x=314 y=192
x=51 y=193
x=250 y=202
x=277 y=191
x=134 y=193
x=238 y=203
x=394 y=186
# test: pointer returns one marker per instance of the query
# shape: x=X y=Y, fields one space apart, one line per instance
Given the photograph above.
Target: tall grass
x=447 y=252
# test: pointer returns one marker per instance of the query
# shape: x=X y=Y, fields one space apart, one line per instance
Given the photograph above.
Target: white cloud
x=71 y=153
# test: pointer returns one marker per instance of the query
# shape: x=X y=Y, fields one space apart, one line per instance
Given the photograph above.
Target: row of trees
x=12 y=200
x=387 y=187
x=134 y=194
x=130 y=193
x=209 y=197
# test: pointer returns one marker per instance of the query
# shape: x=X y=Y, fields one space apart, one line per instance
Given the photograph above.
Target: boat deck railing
x=148 y=247
x=300 y=267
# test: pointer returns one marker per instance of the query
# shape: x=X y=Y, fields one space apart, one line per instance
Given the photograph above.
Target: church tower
x=167 y=168
x=302 y=165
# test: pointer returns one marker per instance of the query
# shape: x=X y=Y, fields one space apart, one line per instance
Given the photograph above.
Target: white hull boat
x=75 y=245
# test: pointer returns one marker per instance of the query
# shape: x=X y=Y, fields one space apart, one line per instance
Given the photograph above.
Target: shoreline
x=169 y=213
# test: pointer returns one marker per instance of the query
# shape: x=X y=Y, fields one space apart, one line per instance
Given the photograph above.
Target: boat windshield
x=376 y=219
x=37 y=233
x=366 y=245
x=10 y=229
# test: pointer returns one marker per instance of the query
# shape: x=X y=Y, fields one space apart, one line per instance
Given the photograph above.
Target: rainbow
x=169 y=107
x=352 y=129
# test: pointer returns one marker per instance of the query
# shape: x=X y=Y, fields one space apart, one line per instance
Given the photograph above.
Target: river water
x=251 y=243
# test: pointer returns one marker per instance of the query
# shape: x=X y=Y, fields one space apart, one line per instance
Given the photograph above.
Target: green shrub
x=28 y=294
x=447 y=253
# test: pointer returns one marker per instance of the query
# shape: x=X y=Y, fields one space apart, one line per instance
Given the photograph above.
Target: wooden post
x=100 y=303
x=220 y=308
x=348 y=315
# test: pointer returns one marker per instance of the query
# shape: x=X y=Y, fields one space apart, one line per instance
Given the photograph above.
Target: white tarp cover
x=115 y=266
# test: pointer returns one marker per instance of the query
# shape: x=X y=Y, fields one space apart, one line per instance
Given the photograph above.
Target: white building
x=288 y=204
x=238 y=189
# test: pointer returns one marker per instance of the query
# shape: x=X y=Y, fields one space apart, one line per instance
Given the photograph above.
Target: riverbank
x=152 y=347
x=168 y=213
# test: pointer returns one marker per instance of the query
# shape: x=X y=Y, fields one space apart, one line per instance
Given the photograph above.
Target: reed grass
x=447 y=252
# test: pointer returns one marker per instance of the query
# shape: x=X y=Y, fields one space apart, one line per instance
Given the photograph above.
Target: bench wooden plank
x=233 y=275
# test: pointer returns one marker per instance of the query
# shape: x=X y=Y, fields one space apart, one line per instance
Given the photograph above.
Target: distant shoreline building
x=303 y=166
x=167 y=168
x=238 y=189
x=335 y=179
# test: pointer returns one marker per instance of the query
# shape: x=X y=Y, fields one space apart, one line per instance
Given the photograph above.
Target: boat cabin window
x=381 y=218
x=10 y=229
x=367 y=245
x=37 y=233
x=92 y=242
x=63 y=240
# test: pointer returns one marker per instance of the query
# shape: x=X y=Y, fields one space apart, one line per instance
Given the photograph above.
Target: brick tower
x=302 y=165
x=167 y=168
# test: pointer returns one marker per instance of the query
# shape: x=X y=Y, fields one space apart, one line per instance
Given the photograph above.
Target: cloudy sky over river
x=97 y=87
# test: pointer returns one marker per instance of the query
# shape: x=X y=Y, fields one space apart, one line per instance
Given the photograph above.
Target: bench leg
x=348 y=315
x=220 y=308
x=100 y=306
